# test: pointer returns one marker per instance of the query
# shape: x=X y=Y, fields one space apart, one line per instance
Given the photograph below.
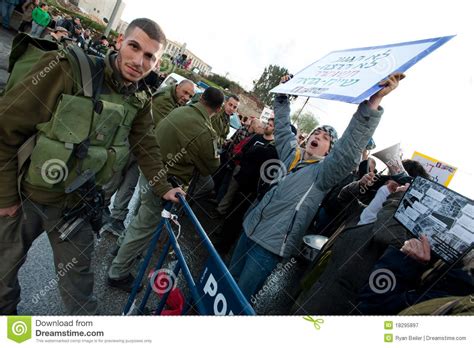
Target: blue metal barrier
x=215 y=293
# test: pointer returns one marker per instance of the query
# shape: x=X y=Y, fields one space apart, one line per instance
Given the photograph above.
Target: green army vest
x=103 y=120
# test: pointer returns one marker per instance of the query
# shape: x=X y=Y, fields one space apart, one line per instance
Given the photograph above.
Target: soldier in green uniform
x=187 y=142
x=221 y=124
x=73 y=129
x=221 y=121
x=163 y=102
x=170 y=98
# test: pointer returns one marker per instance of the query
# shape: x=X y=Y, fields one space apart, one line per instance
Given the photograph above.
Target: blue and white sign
x=353 y=75
x=219 y=295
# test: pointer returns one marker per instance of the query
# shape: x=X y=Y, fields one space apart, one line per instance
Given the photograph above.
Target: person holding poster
x=418 y=277
x=274 y=227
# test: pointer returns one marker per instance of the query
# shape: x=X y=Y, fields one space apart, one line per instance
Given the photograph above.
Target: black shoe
x=115 y=226
x=125 y=284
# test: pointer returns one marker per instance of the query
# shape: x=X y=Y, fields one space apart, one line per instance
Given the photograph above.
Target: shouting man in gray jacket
x=273 y=229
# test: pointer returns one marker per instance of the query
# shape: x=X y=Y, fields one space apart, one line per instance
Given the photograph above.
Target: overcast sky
x=432 y=110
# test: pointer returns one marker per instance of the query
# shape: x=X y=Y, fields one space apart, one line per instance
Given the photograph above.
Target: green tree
x=305 y=121
x=269 y=79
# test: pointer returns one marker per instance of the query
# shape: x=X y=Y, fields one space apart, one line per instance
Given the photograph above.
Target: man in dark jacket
x=412 y=275
x=258 y=157
x=355 y=247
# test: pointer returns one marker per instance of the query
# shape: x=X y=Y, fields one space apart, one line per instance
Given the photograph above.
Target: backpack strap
x=91 y=73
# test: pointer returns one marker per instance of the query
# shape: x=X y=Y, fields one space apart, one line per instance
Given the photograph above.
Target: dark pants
x=24 y=27
x=72 y=257
x=232 y=226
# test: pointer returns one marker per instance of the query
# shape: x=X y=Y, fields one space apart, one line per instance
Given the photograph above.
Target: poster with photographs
x=446 y=217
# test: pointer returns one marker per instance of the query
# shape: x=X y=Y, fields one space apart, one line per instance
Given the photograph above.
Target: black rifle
x=88 y=210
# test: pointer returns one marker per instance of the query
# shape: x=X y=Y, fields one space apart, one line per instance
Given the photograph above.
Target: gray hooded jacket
x=279 y=221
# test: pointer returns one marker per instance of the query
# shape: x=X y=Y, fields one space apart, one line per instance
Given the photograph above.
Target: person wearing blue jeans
x=250 y=265
x=274 y=227
x=7 y=10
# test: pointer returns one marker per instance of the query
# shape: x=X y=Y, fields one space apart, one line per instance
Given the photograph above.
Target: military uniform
x=124 y=183
x=48 y=103
x=221 y=124
x=205 y=183
x=187 y=142
x=164 y=101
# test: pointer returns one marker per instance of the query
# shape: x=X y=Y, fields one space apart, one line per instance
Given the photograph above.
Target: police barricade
x=214 y=293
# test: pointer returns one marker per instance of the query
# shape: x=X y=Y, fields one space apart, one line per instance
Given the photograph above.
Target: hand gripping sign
x=353 y=75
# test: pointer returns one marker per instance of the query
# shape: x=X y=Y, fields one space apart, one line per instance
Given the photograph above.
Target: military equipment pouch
x=106 y=124
x=65 y=125
x=117 y=158
x=108 y=133
x=48 y=163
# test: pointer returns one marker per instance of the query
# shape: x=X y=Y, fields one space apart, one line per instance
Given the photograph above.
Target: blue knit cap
x=329 y=130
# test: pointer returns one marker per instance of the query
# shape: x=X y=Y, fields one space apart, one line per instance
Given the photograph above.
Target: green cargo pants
x=139 y=233
x=72 y=257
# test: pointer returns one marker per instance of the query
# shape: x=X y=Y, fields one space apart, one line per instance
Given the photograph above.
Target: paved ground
x=41 y=297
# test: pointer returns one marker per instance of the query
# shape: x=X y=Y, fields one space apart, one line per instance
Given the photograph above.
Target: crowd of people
x=41 y=21
x=269 y=183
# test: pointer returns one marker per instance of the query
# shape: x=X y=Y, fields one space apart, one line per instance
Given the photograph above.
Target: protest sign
x=267 y=113
x=440 y=172
x=218 y=294
x=353 y=75
x=444 y=216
